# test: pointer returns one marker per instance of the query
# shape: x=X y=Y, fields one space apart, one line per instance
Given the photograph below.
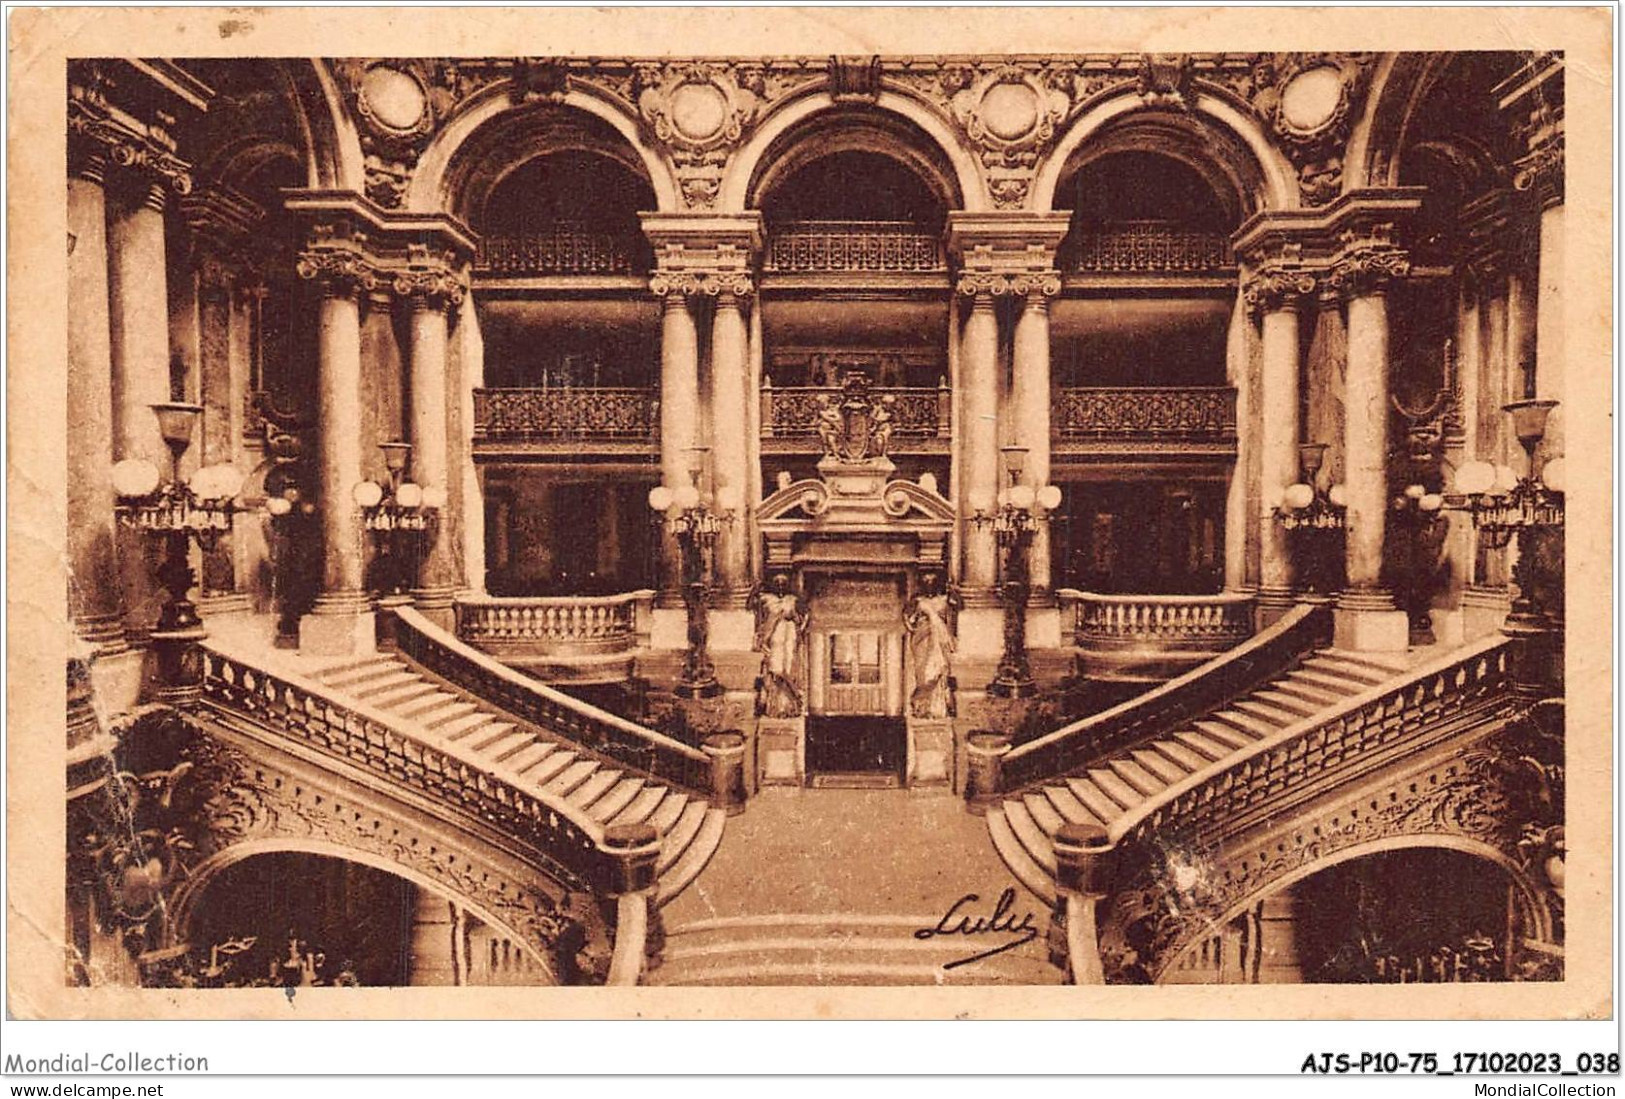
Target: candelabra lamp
x=400 y=514
x=1314 y=519
x=177 y=513
x=690 y=518
x=1015 y=516
x=1525 y=512
x=288 y=518
x=1414 y=521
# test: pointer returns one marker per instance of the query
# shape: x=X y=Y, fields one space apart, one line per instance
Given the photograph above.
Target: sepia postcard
x=810 y=513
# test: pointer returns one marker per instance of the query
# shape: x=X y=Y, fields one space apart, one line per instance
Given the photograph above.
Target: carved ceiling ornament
x=1310 y=102
x=698 y=112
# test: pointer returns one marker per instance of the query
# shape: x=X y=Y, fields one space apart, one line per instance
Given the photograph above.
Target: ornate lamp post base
x=709 y=688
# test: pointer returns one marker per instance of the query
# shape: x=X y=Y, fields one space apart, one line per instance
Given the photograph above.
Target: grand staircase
x=1024 y=824
x=531 y=757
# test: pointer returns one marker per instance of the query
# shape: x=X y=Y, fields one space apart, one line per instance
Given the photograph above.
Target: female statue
x=931 y=647
x=780 y=618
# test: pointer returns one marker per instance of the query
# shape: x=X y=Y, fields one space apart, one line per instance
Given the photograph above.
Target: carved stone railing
x=306 y=714
x=1457 y=690
x=1140 y=247
x=919 y=412
x=1175 y=622
x=628 y=744
x=554 y=626
x=807 y=246
x=1146 y=414
x=1269 y=653
x=563 y=248
x=562 y=414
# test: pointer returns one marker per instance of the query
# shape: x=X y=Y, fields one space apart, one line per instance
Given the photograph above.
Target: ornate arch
x=1402 y=81
x=335 y=161
x=754 y=160
x=186 y=903
x=1258 y=173
x=1472 y=796
x=1533 y=908
x=433 y=185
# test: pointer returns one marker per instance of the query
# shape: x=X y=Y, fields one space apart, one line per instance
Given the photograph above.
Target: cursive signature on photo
x=1001 y=921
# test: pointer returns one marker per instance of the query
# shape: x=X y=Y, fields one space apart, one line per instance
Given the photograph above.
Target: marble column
x=221 y=393
x=341 y=622
x=1278 y=445
x=138 y=302
x=729 y=364
x=1030 y=399
x=1549 y=360
x=465 y=473
x=437 y=574
x=1237 y=518
x=94 y=595
x=1366 y=617
x=679 y=412
x=435 y=952
x=980 y=462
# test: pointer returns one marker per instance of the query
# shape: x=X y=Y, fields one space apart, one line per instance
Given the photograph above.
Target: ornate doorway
x=855 y=729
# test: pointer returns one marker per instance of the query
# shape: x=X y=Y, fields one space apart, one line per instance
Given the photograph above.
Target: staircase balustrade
x=1460 y=689
x=492 y=682
x=808 y=246
x=1264 y=656
x=290 y=707
x=554 y=626
x=1157 y=621
x=566 y=413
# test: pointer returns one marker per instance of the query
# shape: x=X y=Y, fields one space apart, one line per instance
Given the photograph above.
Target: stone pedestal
x=668 y=628
x=1483 y=610
x=781 y=751
x=338 y=633
x=732 y=630
x=930 y=754
x=1370 y=628
x=981 y=634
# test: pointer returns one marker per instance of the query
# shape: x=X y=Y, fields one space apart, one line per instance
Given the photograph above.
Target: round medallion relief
x=393 y=97
x=1009 y=111
x=1310 y=99
x=698 y=110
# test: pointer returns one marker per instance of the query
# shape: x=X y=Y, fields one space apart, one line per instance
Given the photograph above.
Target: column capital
x=1278 y=287
x=729 y=286
x=1031 y=285
x=430 y=282
x=341 y=272
x=1541 y=171
x=1367 y=264
x=103 y=136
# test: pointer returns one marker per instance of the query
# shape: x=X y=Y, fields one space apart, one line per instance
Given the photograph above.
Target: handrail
x=287 y=704
x=1452 y=685
x=1225 y=597
x=1234 y=672
x=493 y=682
x=626 y=964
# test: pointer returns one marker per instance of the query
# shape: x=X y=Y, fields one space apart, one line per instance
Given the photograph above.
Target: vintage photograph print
x=809 y=516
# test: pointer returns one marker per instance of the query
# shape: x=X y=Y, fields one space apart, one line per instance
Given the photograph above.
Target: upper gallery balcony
x=1133 y=252
x=900 y=253
x=618 y=420
x=1158 y=421
x=564 y=249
